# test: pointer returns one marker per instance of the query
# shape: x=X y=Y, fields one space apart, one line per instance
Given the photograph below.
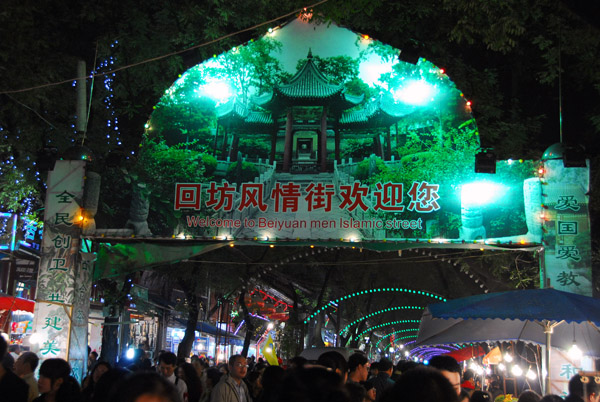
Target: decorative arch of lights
x=399 y=339
x=378 y=290
x=385 y=310
x=385 y=324
x=393 y=333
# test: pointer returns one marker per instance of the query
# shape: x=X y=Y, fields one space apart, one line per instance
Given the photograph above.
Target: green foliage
x=249 y=66
x=210 y=164
x=249 y=172
x=363 y=169
x=160 y=167
x=356 y=148
x=255 y=147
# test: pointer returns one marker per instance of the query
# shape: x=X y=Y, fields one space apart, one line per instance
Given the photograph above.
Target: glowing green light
x=415 y=93
x=480 y=193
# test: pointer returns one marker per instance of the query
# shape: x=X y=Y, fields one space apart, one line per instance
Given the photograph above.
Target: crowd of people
x=332 y=378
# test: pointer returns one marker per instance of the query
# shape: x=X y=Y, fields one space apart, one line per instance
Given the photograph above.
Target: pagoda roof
x=382 y=111
x=236 y=113
x=309 y=87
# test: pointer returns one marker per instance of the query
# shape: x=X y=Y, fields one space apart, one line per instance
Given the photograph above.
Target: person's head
x=238 y=367
x=358 y=365
x=386 y=366
x=335 y=361
x=99 y=370
x=145 y=387
x=480 y=396
x=449 y=368
x=167 y=362
x=529 y=396
x=584 y=387
x=53 y=374
x=552 y=398
x=374 y=369
x=297 y=362
x=421 y=384
x=94 y=355
x=213 y=375
x=26 y=363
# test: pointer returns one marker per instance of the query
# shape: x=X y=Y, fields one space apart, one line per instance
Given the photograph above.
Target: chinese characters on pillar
x=567 y=229
x=59 y=258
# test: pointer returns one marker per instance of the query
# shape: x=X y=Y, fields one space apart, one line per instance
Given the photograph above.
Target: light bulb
x=501 y=367
x=517 y=371
x=575 y=352
x=531 y=374
x=508 y=358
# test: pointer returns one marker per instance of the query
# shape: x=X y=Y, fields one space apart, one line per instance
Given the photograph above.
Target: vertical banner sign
x=567 y=236
x=58 y=272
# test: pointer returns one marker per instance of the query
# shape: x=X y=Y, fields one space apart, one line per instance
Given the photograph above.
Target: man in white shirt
x=167 y=363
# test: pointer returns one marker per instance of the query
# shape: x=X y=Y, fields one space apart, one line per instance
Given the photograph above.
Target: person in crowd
x=552 y=398
x=271 y=380
x=231 y=388
x=371 y=392
x=358 y=367
x=108 y=382
x=14 y=351
x=464 y=396
x=145 y=386
x=297 y=362
x=480 y=396
x=335 y=361
x=213 y=376
x=167 y=362
x=374 y=370
x=356 y=391
x=583 y=388
x=200 y=366
x=529 y=396
x=92 y=360
x=468 y=382
x=189 y=375
x=383 y=381
x=56 y=384
x=313 y=384
x=449 y=368
x=24 y=368
x=421 y=384
x=89 y=382
x=12 y=388
x=254 y=383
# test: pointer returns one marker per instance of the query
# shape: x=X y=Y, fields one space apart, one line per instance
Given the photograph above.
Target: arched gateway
x=312 y=136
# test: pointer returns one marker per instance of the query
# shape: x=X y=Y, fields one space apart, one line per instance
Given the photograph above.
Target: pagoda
x=305 y=119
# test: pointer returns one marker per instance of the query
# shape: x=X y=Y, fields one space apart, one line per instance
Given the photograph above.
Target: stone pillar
x=323 y=140
x=388 y=155
x=287 y=149
x=338 y=139
x=64 y=277
x=566 y=233
x=273 y=146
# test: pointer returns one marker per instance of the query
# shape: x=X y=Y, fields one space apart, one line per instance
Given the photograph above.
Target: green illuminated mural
x=316 y=132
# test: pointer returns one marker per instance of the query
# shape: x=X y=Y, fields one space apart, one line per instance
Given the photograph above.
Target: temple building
x=306 y=118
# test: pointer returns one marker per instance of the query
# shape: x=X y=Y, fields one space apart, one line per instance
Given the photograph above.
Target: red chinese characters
x=352 y=196
x=423 y=197
x=286 y=197
x=187 y=196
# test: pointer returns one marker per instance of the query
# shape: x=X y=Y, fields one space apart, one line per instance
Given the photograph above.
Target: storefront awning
x=16 y=303
x=212 y=330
